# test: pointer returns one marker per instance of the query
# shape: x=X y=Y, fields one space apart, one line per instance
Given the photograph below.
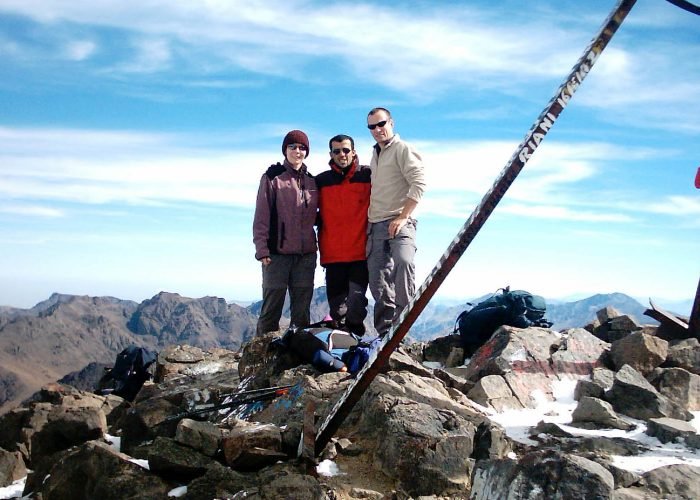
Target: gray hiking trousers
x=392 y=274
x=287 y=272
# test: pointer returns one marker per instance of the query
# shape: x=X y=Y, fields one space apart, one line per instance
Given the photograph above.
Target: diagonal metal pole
x=472 y=226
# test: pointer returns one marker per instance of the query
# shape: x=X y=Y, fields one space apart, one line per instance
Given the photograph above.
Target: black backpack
x=130 y=371
x=513 y=308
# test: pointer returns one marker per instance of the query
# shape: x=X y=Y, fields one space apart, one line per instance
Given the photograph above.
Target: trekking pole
x=239 y=399
x=471 y=227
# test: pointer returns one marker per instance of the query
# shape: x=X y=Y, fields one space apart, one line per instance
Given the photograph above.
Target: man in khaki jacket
x=398 y=183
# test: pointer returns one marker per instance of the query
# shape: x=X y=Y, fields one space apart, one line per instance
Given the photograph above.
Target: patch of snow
x=433 y=365
x=178 y=492
x=140 y=463
x=14 y=490
x=328 y=468
x=517 y=424
x=205 y=368
x=519 y=355
x=115 y=442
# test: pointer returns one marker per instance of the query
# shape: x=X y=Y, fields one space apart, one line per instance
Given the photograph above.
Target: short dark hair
x=341 y=138
x=374 y=110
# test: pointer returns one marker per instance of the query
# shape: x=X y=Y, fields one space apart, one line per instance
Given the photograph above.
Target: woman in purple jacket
x=284 y=236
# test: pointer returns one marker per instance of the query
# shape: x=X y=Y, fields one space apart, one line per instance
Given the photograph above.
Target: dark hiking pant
x=391 y=271
x=346 y=288
x=287 y=272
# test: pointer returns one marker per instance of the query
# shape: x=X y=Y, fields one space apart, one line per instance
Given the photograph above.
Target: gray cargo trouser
x=392 y=279
x=287 y=272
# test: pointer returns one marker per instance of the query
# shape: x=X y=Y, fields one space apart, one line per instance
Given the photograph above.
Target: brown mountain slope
x=67 y=332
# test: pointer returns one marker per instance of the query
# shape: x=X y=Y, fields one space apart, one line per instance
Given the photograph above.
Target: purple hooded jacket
x=285 y=212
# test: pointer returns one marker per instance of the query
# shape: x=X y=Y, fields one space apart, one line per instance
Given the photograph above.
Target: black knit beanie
x=295 y=137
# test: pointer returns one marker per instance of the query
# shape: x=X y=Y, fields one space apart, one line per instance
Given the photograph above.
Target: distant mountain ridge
x=63 y=334
x=67 y=332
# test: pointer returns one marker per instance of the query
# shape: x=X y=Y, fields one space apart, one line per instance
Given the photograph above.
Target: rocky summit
x=431 y=424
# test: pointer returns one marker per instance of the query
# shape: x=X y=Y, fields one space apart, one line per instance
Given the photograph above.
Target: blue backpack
x=514 y=308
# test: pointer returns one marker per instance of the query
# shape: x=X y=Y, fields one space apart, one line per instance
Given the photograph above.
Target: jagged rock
x=669 y=429
x=453 y=379
x=147 y=420
x=348 y=448
x=604 y=446
x=541 y=474
x=245 y=436
x=95 y=470
x=601 y=381
x=422 y=390
x=579 y=353
x=439 y=349
x=522 y=357
x=684 y=354
x=365 y=493
x=455 y=358
x=607 y=314
x=253 y=459
x=640 y=351
x=550 y=429
x=12 y=467
x=293 y=486
x=193 y=361
x=624 y=322
x=201 y=436
x=679 y=385
x=623 y=477
x=261 y=359
x=491 y=441
x=400 y=360
x=169 y=459
x=678 y=482
x=220 y=482
x=632 y=395
x=600 y=413
x=603 y=377
x=588 y=388
x=492 y=391
x=426 y=449
x=67 y=426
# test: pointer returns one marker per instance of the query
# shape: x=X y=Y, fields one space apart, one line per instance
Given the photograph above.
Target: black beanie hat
x=295 y=137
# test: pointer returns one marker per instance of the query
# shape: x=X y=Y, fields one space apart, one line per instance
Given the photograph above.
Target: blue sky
x=133 y=136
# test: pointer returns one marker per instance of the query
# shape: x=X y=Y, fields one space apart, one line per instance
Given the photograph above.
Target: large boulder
x=541 y=474
x=598 y=413
x=95 y=470
x=679 y=385
x=12 y=467
x=684 y=354
x=632 y=395
x=426 y=449
x=679 y=482
x=640 y=351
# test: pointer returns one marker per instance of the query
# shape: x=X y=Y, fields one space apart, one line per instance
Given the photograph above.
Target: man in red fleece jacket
x=343 y=202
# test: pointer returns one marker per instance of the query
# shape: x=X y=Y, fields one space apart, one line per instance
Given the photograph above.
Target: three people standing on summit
x=365 y=227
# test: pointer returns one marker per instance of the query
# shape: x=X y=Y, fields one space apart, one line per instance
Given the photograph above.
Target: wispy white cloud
x=30 y=210
x=80 y=50
x=152 y=55
x=562 y=213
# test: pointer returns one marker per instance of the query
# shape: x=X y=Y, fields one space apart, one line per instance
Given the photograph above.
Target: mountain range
x=66 y=333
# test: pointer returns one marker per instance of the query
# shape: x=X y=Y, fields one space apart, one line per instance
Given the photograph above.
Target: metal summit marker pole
x=472 y=226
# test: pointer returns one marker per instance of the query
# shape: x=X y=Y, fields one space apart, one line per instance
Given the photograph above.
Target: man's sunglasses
x=378 y=124
x=296 y=146
x=344 y=150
